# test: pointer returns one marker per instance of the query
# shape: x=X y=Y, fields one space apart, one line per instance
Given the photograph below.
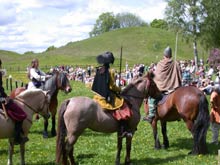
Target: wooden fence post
x=10 y=80
x=6 y=83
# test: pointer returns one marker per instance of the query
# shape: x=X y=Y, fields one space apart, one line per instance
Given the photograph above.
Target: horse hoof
x=53 y=133
x=45 y=135
x=165 y=146
x=192 y=153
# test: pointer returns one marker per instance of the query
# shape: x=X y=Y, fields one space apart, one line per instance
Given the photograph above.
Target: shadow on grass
x=78 y=158
x=152 y=161
x=187 y=143
x=4 y=152
x=182 y=143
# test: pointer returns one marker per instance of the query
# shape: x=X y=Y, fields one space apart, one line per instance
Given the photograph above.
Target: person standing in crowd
x=14 y=112
x=36 y=76
x=167 y=78
x=215 y=114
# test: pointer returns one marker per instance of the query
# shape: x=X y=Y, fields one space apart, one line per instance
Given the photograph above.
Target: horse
x=78 y=113
x=187 y=103
x=58 y=81
x=31 y=101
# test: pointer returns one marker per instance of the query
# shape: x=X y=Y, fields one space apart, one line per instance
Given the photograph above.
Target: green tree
x=159 y=23
x=210 y=28
x=106 y=22
x=184 y=16
x=129 y=20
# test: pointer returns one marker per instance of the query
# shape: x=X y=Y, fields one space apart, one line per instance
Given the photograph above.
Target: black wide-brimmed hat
x=105 y=58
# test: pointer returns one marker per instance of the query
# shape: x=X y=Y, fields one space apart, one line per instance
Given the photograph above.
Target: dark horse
x=58 y=81
x=187 y=103
x=78 y=113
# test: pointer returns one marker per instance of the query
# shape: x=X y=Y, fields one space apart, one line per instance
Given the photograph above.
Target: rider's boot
x=152 y=110
x=19 y=137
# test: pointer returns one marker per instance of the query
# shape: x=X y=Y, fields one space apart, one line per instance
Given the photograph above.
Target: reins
x=138 y=97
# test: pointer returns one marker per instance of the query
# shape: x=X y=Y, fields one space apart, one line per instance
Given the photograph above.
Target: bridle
x=58 y=83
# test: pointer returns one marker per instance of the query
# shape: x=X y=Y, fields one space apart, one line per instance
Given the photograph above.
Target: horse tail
x=61 y=132
x=200 y=127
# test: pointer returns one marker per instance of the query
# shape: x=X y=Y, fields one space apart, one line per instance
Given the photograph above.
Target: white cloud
x=35 y=25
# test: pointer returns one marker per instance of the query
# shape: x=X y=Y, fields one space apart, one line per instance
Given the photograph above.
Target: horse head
x=152 y=88
x=64 y=83
x=58 y=81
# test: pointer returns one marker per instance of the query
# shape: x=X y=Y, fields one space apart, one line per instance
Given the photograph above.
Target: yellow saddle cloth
x=105 y=105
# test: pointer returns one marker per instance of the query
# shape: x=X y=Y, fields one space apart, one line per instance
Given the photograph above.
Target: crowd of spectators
x=205 y=77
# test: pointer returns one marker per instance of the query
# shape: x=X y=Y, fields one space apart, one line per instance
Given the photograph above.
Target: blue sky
x=34 y=25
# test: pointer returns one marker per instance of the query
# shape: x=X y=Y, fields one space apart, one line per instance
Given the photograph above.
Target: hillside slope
x=140 y=45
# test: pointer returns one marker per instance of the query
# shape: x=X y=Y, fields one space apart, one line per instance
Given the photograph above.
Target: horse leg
x=22 y=153
x=71 y=140
x=164 y=132
x=155 y=133
x=128 y=150
x=189 y=125
x=53 y=128
x=45 y=133
x=10 y=151
x=119 y=147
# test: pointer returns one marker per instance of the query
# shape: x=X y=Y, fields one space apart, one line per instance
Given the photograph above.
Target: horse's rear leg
x=71 y=140
x=128 y=150
x=119 y=147
x=164 y=132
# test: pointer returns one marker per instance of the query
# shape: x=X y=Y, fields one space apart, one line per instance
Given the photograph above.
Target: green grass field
x=100 y=148
x=140 y=45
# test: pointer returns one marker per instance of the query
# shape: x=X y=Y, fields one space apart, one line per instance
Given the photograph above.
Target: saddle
x=13 y=111
x=123 y=113
x=165 y=96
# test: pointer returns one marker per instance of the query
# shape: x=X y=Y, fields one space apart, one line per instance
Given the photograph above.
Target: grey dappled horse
x=78 y=113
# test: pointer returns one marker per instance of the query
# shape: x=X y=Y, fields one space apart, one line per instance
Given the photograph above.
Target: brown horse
x=187 y=103
x=31 y=101
x=58 y=81
x=78 y=113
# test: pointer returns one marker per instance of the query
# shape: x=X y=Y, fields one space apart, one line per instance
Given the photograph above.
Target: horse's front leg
x=45 y=133
x=10 y=151
x=164 y=132
x=22 y=153
x=53 y=128
x=128 y=150
x=119 y=147
x=155 y=134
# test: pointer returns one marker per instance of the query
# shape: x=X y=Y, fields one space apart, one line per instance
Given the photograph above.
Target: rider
x=16 y=113
x=167 y=78
x=107 y=92
x=36 y=76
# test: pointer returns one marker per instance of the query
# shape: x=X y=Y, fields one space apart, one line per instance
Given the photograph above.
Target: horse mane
x=29 y=91
x=131 y=84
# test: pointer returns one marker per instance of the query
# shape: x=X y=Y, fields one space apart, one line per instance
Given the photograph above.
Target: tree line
x=195 y=20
